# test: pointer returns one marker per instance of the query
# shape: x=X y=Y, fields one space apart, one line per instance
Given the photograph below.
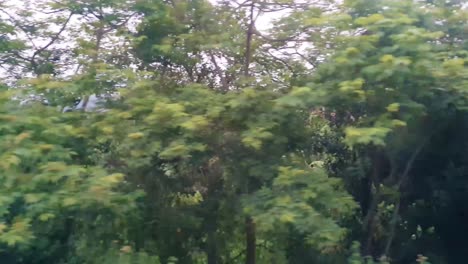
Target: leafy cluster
x=183 y=132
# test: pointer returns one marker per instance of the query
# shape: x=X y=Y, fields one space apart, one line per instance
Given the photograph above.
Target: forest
x=233 y=131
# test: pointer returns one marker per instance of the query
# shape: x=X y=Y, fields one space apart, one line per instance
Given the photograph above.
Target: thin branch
x=243 y=4
x=286 y=39
x=125 y=21
x=271 y=10
x=219 y=72
x=282 y=61
x=305 y=58
x=53 y=12
x=53 y=39
x=17 y=24
x=17 y=54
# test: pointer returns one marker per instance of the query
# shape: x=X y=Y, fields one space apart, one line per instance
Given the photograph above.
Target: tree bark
x=219 y=72
x=99 y=35
x=248 y=44
x=371 y=218
x=400 y=187
x=249 y=223
x=250 y=241
x=381 y=164
x=212 y=249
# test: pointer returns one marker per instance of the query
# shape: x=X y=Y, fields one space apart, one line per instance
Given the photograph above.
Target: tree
x=338 y=125
x=390 y=75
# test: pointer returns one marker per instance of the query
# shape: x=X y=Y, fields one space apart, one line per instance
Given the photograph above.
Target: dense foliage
x=184 y=131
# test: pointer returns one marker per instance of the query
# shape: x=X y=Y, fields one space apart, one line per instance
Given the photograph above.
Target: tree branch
x=219 y=72
x=52 y=40
x=400 y=185
x=17 y=24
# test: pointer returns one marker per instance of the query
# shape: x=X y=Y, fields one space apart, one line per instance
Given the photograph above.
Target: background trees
x=334 y=135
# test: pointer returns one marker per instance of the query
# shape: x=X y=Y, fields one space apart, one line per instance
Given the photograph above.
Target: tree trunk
x=370 y=224
x=248 y=44
x=212 y=249
x=371 y=218
x=95 y=58
x=404 y=178
x=251 y=240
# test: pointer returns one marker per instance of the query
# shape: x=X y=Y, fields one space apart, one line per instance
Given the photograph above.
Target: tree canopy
x=182 y=131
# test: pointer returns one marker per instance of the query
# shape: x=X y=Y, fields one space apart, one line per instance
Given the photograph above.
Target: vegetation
x=334 y=135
